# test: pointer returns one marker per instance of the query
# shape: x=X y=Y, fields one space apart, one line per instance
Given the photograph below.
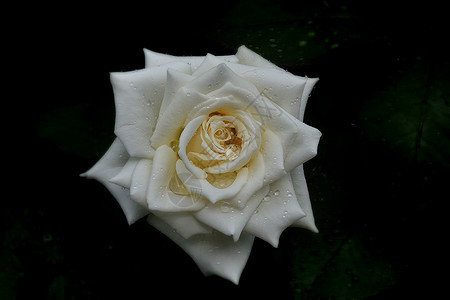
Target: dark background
x=378 y=185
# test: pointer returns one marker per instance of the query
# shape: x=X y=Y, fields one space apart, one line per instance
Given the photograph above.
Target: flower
x=211 y=150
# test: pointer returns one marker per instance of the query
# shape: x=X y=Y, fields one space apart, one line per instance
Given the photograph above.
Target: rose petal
x=159 y=195
x=272 y=152
x=303 y=147
x=278 y=210
x=248 y=57
x=217 y=77
x=203 y=188
x=301 y=192
x=175 y=81
x=109 y=166
x=209 y=61
x=138 y=97
x=228 y=219
x=214 y=254
x=255 y=182
x=184 y=223
x=185 y=137
x=305 y=95
x=193 y=94
x=281 y=87
x=171 y=123
x=123 y=178
x=298 y=140
x=153 y=59
x=140 y=181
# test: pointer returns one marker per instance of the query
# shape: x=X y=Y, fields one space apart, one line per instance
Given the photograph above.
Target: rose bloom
x=211 y=150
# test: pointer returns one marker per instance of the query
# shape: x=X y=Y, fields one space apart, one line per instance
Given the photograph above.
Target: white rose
x=211 y=149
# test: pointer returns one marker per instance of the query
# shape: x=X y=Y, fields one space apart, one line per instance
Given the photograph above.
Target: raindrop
x=288 y=194
x=285 y=213
x=276 y=193
x=266 y=198
x=226 y=208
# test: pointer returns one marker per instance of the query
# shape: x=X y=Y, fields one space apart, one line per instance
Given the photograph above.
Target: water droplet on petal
x=276 y=193
x=266 y=198
x=226 y=207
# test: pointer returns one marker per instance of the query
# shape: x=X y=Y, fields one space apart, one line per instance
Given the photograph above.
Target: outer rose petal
x=184 y=223
x=277 y=211
x=228 y=219
x=153 y=59
x=175 y=81
x=109 y=166
x=248 y=57
x=123 y=178
x=215 y=254
x=138 y=96
x=159 y=195
x=305 y=95
x=281 y=87
x=301 y=192
x=140 y=181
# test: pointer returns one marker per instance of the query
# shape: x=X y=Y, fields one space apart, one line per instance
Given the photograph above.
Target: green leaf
x=410 y=115
x=340 y=267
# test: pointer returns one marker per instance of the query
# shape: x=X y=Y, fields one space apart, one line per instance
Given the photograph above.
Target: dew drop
x=276 y=193
x=266 y=198
x=289 y=194
x=226 y=208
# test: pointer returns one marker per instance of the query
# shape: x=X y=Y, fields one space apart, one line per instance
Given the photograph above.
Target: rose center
x=222 y=136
